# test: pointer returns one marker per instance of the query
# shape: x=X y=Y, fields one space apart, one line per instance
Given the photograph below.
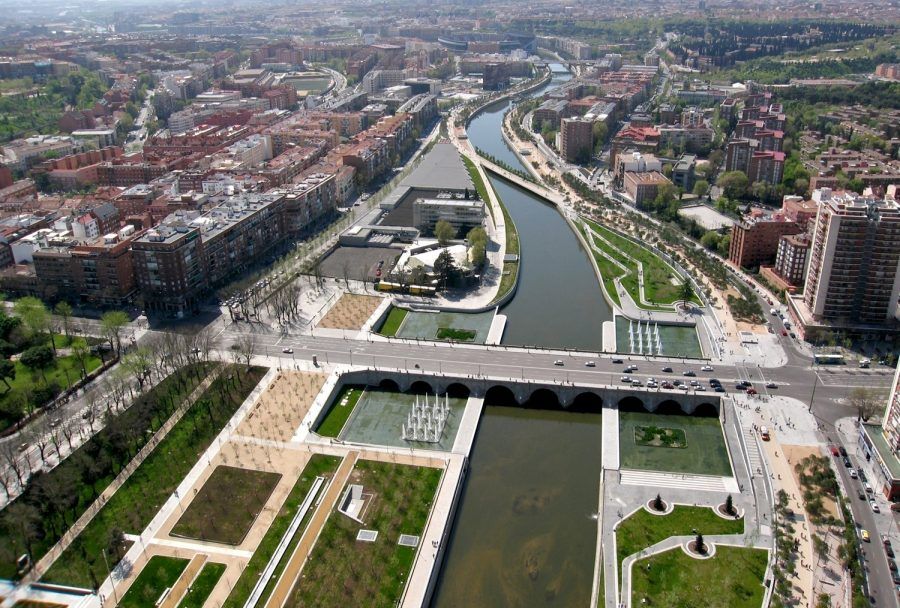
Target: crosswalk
x=654 y=479
x=753 y=454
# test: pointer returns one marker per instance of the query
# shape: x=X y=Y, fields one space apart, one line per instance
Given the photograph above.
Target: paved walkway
x=53 y=554
x=303 y=549
x=181 y=586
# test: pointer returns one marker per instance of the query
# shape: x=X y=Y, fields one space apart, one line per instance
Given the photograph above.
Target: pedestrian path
x=610 y=445
x=654 y=479
x=182 y=585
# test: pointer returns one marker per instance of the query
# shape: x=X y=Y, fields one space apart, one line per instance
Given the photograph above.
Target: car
x=847 y=462
x=626 y=379
x=834 y=450
x=288 y=350
x=714 y=382
x=683 y=387
x=864 y=534
x=888 y=549
x=558 y=363
x=652 y=384
x=895 y=576
x=667 y=370
x=668 y=385
x=700 y=387
x=892 y=565
x=636 y=382
x=694 y=383
x=842 y=451
x=688 y=372
x=793 y=335
x=751 y=391
x=719 y=389
x=617 y=361
x=707 y=368
x=23 y=446
x=590 y=364
x=633 y=367
x=874 y=506
x=627 y=370
x=771 y=385
x=740 y=387
x=853 y=474
x=861 y=494
x=784 y=332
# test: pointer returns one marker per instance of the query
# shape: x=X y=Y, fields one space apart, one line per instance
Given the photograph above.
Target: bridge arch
x=389 y=385
x=500 y=395
x=669 y=406
x=420 y=387
x=587 y=402
x=631 y=404
x=458 y=390
x=707 y=410
x=543 y=398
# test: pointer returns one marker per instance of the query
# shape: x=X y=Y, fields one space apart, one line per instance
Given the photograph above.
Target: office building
x=462 y=214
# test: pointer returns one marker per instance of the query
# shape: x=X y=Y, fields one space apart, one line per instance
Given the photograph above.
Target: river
x=559 y=302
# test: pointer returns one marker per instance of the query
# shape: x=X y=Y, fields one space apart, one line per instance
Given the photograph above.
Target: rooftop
x=440 y=169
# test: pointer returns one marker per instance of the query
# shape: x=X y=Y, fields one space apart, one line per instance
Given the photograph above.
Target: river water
x=559 y=302
x=525 y=534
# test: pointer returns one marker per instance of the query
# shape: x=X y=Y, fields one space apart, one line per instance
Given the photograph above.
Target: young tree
x=658 y=504
x=729 y=505
x=865 y=401
x=699 y=545
x=112 y=323
x=444 y=232
x=685 y=292
x=63 y=310
x=34 y=316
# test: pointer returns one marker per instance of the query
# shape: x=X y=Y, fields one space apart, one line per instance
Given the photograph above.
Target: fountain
x=425 y=421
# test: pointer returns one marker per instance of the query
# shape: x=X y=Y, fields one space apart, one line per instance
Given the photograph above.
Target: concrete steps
x=653 y=479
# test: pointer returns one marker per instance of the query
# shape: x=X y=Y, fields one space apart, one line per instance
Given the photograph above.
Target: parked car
x=847 y=462
x=874 y=506
x=864 y=534
x=853 y=474
x=842 y=450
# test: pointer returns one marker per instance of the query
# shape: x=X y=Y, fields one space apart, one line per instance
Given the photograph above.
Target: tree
x=734 y=184
x=34 y=316
x=699 y=545
x=729 y=505
x=600 y=132
x=63 y=310
x=685 y=292
x=38 y=358
x=820 y=547
x=865 y=401
x=724 y=245
x=112 y=323
x=7 y=370
x=444 y=232
x=701 y=187
x=658 y=504
x=445 y=268
x=710 y=239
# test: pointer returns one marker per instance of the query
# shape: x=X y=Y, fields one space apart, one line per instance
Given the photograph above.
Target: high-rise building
x=854 y=263
x=881 y=444
x=576 y=139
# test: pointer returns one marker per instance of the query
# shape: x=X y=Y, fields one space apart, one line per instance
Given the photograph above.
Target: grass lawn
x=392 y=323
x=704 y=451
x=202 y=585
x=608 y=270
x=451 y=333
x=137 y=501
x=64 y=372
x=662 y=437
x=343 y=572
x=93 y=466
x=642 y=529
x=732 y=578
x=476 y=179
x=319 y=464
x=227 y=505
x=158 y=574
x=340 y=410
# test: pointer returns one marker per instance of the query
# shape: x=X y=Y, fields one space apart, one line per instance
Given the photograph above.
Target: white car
x=874 y=506
x=853 y=474
x=590 y=364
x=707 y=368
x=288 y=351
x=626 y=379
x=558 y=362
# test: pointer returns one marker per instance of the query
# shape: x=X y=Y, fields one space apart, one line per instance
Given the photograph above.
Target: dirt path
x=180 y=588
x=308 y=540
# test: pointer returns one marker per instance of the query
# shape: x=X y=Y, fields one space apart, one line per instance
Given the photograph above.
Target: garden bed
x=660 y=437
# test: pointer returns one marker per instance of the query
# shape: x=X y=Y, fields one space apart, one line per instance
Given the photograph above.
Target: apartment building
x=643 y=186
x=754 y=241
x=854 y=263
x=576 y=139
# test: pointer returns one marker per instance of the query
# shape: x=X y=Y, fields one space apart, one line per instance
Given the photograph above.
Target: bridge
x=581 y=396
x=536 y=189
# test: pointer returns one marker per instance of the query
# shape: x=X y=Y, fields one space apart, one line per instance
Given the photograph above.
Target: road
x=881 y=587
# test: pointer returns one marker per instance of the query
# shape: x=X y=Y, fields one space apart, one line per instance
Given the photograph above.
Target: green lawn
x=608 y=271
x=23 y=392
x=227 y=505
x=510 y=269
x=705 y=452
x=158 y=574
x=343 y=572
x=340 y=411
x=658 y=275
x=392 y=323
x=732 y=578
x=319 y=464
x=479 y=183
x=133 y=506
x=202 y=585
x=91 y=468
x=459 y=335
x=641 y=529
